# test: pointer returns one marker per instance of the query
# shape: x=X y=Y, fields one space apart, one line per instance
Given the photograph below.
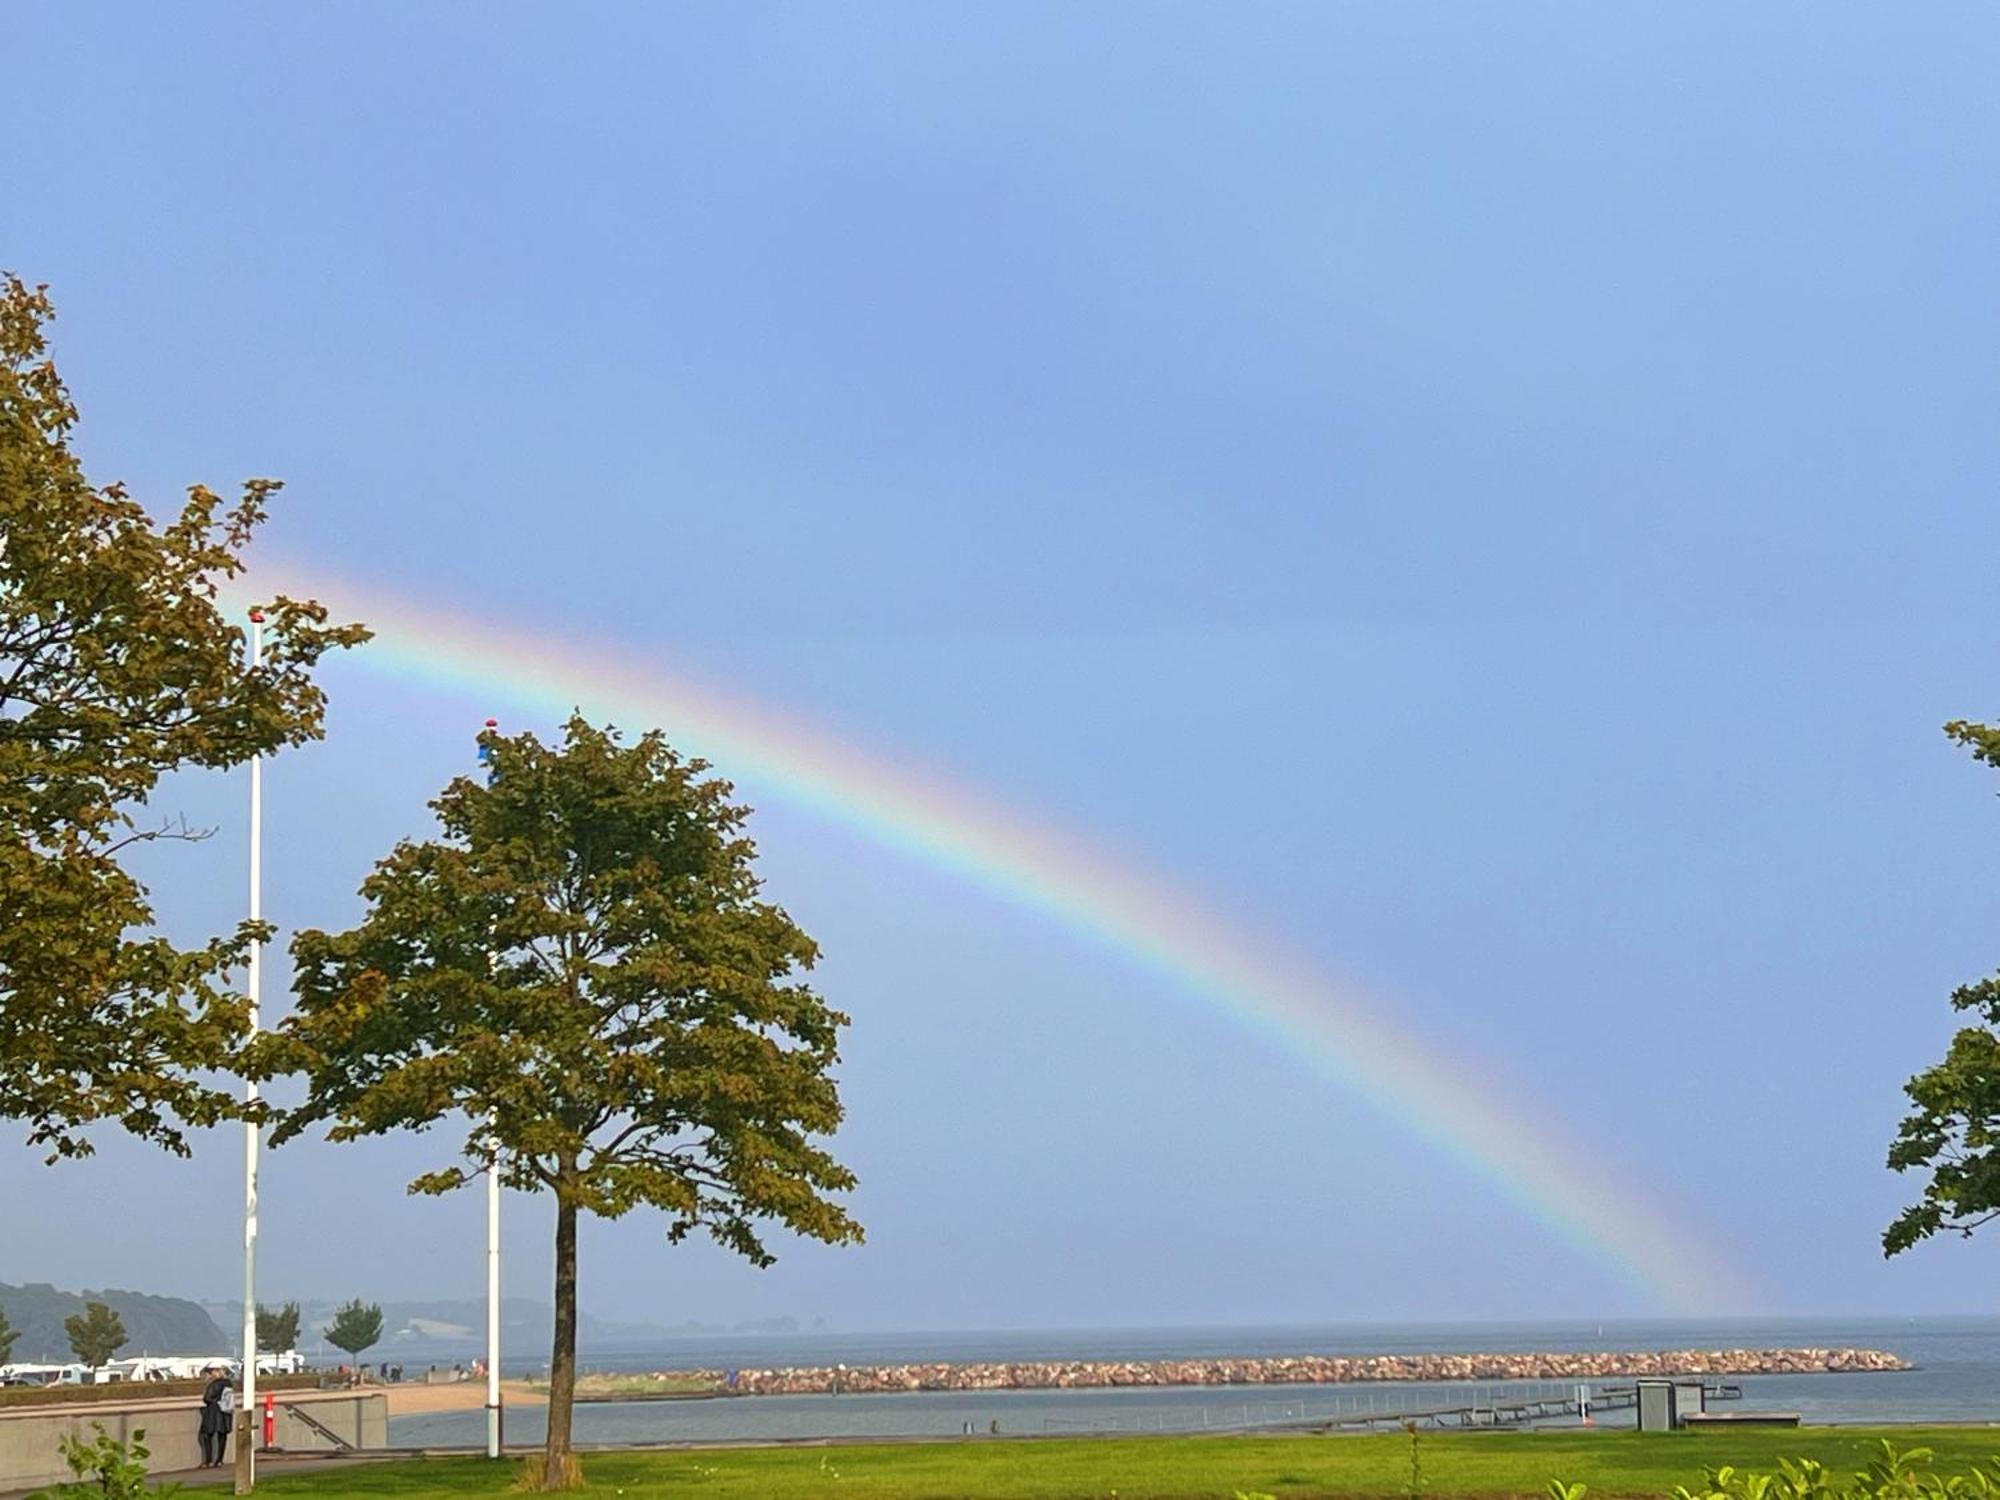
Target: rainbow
x=1060 y=877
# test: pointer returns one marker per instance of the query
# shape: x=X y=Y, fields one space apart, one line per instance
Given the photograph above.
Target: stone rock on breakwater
x=1310 y=1369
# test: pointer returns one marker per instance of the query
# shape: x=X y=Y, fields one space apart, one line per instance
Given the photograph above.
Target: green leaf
x=117 y=668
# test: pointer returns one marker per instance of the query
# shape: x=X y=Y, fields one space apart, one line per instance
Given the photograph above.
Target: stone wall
x=31 y=1437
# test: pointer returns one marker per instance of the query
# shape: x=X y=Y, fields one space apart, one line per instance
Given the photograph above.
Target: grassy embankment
x=1454 y=1465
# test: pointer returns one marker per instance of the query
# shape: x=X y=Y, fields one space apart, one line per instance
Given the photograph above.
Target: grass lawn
x=1454 y=1464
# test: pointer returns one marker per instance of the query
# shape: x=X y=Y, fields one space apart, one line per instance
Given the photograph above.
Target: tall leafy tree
x=278 y=1328
x=117 y=667
x=8 y=1333
x=582 y=969
x=1953 y=1130
x=356 y=1326
x=95 y=1334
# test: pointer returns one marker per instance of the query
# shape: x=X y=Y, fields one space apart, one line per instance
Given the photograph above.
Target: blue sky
x=1501 y=498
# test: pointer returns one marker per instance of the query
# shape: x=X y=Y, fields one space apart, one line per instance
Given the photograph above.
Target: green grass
x=1164 y=1468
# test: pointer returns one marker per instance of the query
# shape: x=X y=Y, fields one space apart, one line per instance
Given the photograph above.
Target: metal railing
x=311 y=1423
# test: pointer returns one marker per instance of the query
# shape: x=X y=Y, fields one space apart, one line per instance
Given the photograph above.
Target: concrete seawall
x=1299 y=1370
x=31 y=1436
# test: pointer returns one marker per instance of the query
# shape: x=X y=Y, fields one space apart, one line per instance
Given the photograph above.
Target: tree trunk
x=558 y=1462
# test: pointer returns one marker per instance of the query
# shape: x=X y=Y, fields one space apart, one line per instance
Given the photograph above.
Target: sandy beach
x=411 y=1398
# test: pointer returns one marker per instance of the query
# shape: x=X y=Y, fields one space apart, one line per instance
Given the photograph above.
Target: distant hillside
x=450 y=1327
x=523 y=1323
x=527 y=1324
x=155 y=1325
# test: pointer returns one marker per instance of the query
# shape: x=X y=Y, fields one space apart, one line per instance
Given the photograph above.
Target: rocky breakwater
x=1311 y=1369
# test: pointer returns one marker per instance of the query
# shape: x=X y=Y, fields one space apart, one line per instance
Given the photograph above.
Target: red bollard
x=270 y=1420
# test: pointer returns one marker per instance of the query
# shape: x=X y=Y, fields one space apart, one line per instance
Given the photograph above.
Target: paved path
x=273 y=1463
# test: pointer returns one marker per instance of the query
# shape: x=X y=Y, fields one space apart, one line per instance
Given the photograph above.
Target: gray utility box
x=1666 y=1404
x=1656 y=1405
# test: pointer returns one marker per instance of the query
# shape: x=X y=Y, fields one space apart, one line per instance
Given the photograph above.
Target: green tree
x=1954 y=1130
x=582 y=968
x=8 y=1333
x=278 y=1330
x=95 y=1334
x=356 y=1325
x=117 y=667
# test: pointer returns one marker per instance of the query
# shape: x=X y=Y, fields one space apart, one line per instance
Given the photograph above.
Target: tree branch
x=175 y=829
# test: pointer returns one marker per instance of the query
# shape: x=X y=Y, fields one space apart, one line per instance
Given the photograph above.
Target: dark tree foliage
x=356 y=1325
x=8 y=1333
x=583 y=972
x=278 y=1328
x=117 y=666
x=1954 y=1130
x=95 y=1334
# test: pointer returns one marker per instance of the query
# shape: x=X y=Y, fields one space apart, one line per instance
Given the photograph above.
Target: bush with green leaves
x=1893 y=1474
x=105 y=1468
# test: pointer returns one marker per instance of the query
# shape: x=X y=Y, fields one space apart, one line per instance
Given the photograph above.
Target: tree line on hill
x=40 y=1324
x=37 y=1315
x=35 y=1319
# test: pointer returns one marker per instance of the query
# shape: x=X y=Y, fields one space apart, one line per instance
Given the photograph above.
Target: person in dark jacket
x=217 y=1407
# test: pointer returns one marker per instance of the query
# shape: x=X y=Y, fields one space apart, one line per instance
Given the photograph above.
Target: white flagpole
x=246 y=1447
x=493 y=1303
x=493 y=1435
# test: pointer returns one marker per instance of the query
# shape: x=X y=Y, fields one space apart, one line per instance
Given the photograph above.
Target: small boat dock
x=1477 y=1406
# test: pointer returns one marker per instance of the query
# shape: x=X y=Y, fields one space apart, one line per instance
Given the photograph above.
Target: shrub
x=1893 y=1474
x=105 y=1468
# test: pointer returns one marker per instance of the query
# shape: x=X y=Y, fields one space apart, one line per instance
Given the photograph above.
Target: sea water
x=1956 y=1379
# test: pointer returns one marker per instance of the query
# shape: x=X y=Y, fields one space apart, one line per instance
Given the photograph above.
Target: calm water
x=1957 y=1379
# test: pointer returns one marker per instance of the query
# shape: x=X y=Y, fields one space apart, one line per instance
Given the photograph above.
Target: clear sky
x=1498 y=498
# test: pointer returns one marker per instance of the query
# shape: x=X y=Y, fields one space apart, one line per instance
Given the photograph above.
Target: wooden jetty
x=1494 y=1406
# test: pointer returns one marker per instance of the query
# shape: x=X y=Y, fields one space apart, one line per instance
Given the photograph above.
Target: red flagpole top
x=256 y=617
